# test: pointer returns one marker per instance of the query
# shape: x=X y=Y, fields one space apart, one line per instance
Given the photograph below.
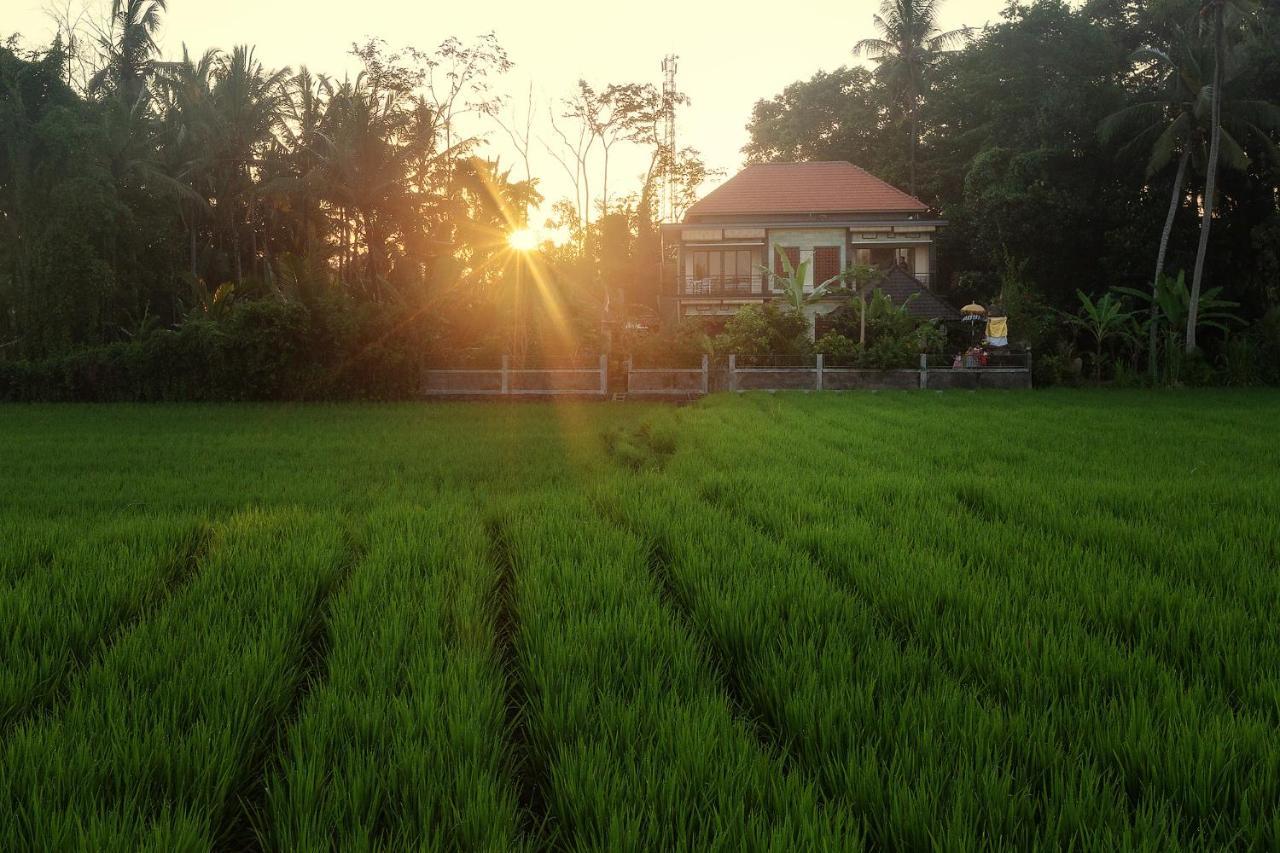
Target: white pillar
x=924 y=370
x=733 y=373
x=604 y=375
x=506 y=374
x=706 y=372
x=818 y=382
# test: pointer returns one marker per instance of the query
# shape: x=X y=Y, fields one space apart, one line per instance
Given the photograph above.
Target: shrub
x=767 y=329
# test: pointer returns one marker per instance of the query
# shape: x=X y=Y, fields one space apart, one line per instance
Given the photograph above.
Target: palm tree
x=248 y=107
x=910 y=44
x=1177 y=122
x=1216 y=12
x=129 y=48
x=186 y=94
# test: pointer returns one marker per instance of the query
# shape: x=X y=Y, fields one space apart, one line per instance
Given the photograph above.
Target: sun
x=523 y=239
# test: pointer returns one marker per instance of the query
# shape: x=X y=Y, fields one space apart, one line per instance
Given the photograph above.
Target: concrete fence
x=507 y=381
x=668 y=382
x=820 y=374
x=689 y=381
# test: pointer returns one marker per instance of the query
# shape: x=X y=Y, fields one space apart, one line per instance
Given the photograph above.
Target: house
x=833 y=214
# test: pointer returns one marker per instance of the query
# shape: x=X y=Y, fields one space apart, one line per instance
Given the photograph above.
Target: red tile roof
x=823 y=187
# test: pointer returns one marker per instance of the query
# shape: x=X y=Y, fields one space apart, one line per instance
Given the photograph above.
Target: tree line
x=1108 y=169
x=216 y=196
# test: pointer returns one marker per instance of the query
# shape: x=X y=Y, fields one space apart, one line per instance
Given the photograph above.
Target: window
x=793 y=255
x=732 y=270
x=826 y=263
x=885 y=257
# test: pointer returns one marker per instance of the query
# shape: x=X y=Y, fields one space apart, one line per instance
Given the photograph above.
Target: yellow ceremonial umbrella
x=973 y=309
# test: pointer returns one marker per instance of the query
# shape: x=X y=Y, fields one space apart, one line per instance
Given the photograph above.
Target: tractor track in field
x=244 y=819
x=731 y=685
x=181 y=571
x=892 y=626
x=527 y=776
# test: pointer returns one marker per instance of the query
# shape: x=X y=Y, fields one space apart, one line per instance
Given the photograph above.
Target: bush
x=836 y=344
x=768 y=329
x=255 y=350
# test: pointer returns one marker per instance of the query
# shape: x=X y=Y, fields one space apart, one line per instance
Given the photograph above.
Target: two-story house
x=833 y=214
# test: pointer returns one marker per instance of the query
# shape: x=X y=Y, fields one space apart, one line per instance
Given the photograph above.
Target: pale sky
x=731 y=54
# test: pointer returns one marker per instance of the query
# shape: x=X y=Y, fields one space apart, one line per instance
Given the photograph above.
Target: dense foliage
x=139 y=198
x=1036 y=141
x=554 y=627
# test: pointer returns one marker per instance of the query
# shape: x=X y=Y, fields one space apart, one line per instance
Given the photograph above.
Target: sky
x=731 y=54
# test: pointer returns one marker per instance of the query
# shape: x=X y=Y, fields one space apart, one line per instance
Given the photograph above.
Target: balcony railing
x=721 y=285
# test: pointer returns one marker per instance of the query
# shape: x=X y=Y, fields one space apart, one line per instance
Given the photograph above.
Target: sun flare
x=523 y=239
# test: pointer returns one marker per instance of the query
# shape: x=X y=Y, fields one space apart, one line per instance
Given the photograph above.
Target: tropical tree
x=1170 y=305
x=185 y=95
x=129 y=50
x=247 y=106
x=910 y=44
x=1177 y=123
x=1214 y=11
x=1103 y=320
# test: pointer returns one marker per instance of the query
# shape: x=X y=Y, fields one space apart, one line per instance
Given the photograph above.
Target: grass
x=924 y=621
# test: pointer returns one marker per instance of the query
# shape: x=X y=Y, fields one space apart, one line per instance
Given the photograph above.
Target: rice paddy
x=763 y=622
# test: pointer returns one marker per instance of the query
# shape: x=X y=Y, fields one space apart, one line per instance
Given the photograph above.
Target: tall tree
x=1176 y=123
x=909 y=45
x=1215 y=12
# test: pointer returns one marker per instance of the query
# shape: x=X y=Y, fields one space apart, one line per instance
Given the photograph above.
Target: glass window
x=699 y=264
x=730 y=264
x=744 y=265
x=714 y=258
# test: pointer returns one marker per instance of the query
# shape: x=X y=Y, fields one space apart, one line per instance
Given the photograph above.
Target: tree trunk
x=911 y=180
x=862 y=318
x=1174 y=202
x=1211 y=178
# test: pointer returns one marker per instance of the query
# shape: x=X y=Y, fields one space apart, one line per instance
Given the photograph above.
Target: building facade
x=831 y=214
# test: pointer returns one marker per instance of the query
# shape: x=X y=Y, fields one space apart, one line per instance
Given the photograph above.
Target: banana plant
x=1170 y=305
x=792 y=279
x=1103 y=320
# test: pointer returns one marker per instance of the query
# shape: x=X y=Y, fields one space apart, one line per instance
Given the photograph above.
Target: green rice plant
x=156 y=742
x=58 y=615
x=633 y=741
x=904 y=620
x=922 y=753
x=403 y=745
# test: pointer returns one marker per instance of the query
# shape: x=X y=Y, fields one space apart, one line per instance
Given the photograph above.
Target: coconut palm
x=909 y=45
x=1177 y=123
x=129 y=48
x=1215 y=12
x=185 y=94
x=247 y=106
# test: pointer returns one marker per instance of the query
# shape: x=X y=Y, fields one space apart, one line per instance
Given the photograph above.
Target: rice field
x=902 y=621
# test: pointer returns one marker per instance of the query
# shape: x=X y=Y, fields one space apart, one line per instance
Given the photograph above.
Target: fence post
x=506 y=374
x=604 y=375
x=819 y=376
x=733 y=373
x=628 y=374
x=924 y=370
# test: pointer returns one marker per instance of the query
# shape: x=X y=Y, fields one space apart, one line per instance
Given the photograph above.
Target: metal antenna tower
x=670 y=94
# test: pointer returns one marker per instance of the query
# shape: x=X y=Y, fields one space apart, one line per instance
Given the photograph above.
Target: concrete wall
x=979 y=378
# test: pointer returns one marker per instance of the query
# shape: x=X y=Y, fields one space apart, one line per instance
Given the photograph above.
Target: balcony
x=719 y=286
